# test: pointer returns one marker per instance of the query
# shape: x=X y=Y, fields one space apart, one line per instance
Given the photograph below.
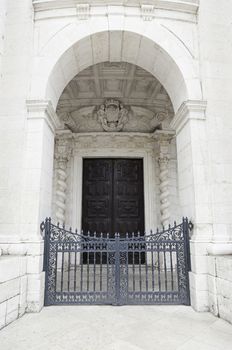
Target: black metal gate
x=134 y=269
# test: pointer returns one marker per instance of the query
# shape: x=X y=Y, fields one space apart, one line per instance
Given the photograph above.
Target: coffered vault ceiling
x=136 y=89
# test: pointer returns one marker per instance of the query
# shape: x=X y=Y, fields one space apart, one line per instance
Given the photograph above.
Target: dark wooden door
x=113 y=199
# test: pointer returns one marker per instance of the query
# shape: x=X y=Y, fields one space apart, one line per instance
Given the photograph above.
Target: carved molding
x=147 y=12
x=112 y=116
x=164 y=139
x=164 y=191
x=83 y=11
x=98 y=8
x=191 y=109
x=62 y=155
x=43 y=109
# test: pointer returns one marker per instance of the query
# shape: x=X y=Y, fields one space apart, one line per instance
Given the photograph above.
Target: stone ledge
x=190 y=6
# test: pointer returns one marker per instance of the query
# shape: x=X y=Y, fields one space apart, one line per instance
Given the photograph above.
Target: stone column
x=42 y=123
x=62 y=156
x=164 y=191
x=194 y=180
x=164 y=138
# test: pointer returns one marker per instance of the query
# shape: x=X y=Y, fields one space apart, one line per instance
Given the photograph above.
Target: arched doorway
x=165 y=59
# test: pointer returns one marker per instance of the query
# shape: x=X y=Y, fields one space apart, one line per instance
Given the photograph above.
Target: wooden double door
x=113 y=196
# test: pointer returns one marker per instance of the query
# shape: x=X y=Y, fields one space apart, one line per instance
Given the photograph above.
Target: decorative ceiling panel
x=128 y=84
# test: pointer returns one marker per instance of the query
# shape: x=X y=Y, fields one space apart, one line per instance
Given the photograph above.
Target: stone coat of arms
x=112 y=115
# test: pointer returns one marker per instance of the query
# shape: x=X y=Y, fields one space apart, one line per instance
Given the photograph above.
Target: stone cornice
x=164 y=135
x=157 y=135
x=42 y=109
x=191 y=109
x=113 y=7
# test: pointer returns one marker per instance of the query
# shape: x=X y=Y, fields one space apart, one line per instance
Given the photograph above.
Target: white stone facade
x=186 y=46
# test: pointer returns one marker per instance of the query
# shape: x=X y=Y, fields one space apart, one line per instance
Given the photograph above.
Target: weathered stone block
x=224 y=288
x=12 y=309
x=211 y=265
x=199 y=300
x=224 y=267
x=9 y=289
x=34 y=264
x=225 y=308
x=2 y=315
x=198 y=281
x=9 y=268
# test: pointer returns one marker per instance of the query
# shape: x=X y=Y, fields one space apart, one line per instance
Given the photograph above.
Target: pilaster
x=62 y=156
x=164 y=138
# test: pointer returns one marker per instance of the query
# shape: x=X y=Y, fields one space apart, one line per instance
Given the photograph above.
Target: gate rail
x=119 y=270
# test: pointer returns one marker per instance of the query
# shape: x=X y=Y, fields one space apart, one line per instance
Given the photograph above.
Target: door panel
x=113 y=198
x=128 y=196
x=97 y=196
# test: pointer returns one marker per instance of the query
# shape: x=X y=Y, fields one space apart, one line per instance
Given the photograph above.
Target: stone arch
x=151 y=47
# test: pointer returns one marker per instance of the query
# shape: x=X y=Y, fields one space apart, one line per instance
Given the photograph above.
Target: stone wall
x=21 y=283
x=220 y=286
x=13 y=288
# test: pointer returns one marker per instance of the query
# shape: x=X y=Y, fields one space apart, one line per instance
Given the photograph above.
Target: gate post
x=47 y=231
x=117 y=269
x=187 y=257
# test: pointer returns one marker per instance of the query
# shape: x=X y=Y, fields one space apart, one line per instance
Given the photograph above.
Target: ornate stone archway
x=160 y=53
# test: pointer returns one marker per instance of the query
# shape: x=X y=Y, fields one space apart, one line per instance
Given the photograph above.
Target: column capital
x=164 y=135
x=63 y=150
x=163 y=159
x=191 y=109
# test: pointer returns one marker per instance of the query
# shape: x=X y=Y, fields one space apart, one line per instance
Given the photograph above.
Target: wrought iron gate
x=134 y=269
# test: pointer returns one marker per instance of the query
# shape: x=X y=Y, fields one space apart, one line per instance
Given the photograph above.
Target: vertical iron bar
x=127 y=261
x=133 y=261
x=75 y=269
x=81 y=276
x=62 y=269
x=69 y=246
x=117 y=268
x=94 y=268
x=165 y=268
x=152 y=266
x=158 y=254
x=146 y=265
x=88 y=245
x=171 y=266
x=140 y=274
x=107 y=265
x=56 y=245
x=101 y=264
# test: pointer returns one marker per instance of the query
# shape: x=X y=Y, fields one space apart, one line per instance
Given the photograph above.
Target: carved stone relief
x=112 y=116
